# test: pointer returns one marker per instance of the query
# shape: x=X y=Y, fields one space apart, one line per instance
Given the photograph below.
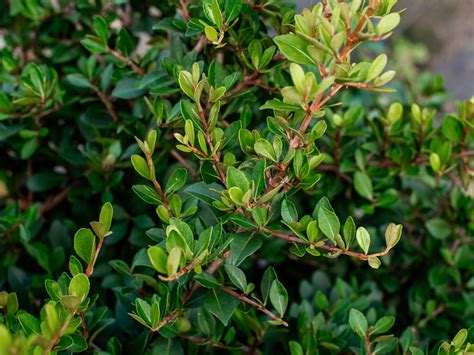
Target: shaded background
x=446 y=28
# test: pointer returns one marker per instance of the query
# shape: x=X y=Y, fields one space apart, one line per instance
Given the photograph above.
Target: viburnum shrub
x=226 y=152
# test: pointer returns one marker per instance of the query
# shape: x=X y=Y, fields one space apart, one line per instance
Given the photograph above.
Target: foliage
x=234 y=146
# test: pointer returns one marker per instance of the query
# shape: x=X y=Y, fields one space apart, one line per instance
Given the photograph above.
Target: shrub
x=229 y=150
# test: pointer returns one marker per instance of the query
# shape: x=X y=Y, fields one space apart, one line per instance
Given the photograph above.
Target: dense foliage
x=258 y=181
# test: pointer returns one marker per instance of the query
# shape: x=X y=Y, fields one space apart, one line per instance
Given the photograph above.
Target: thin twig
x=107 y=103
x=330 y=248
x=254 y=304
x=127 y=61
x=183 y=162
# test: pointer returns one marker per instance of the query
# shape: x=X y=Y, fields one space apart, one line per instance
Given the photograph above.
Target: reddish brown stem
x=127 y=61
x=259 y=307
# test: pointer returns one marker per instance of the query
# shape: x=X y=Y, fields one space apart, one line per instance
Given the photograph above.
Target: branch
x=187 y=296
x=107 y=103
x=330 y=248
x=183 y=162
x=69 y=318
x=127 y=61
x=254 y=304
x=184 y=10
x=53 y=201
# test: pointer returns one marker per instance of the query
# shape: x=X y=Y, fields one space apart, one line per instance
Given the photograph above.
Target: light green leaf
x=79 y=286
x=158 y=258
x=388 y=23
x=174 y=259
x=363 y=239
x=263 y=148
x=84 y=244
x=140 y=165
x=376 y=67
x=106 y=214
x=294 y=48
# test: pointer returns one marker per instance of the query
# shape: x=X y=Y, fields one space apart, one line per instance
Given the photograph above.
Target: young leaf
x=140 y=165
x=79 y=286
x=106 y=214
x=363 y=239
x=174 y=259
x=377 y=67
x=158 y=258
x=393 y=234
x=84 y=244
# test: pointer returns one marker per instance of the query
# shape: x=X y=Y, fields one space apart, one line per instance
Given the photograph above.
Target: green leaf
x=377 y=67
x=363 y=239
x=84 y=244
x=328 y=223
x=438 y=228
x=29 y=323
x=374 y=262
x=275 y=104
x=147 y=194
x=78 y=80
x=220 y=304
x=101 y=28
x=232 y=9
x=79 y=286
x=294 y=48
x=211 y=33
x=388 y=23
x=158 y=258
x=263 y=148
x=243 y=246
x=237 y=277
x=363 y=185
x=358 y=322
x=288 y=211
x=267 y=281
x=349 y=231
x=452 y=128
x=106 y=214
x=295 y=348
x=213 y=12
x=128 y=88
x=279 y=297
x=237 y=178
x=393 y=233
x=176 y=181
x=174 y=260
x=459 y=339
x=140 y=165
x=94 y=44
x=383 y=325
x=435 y=162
